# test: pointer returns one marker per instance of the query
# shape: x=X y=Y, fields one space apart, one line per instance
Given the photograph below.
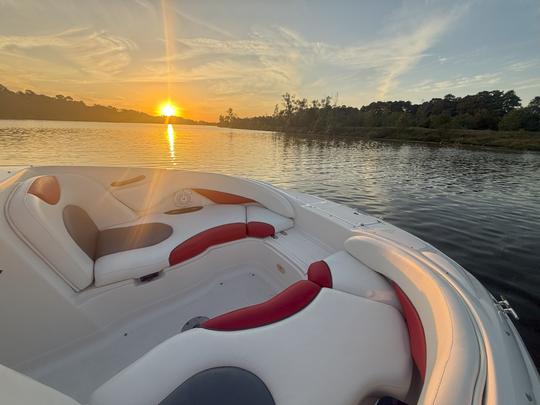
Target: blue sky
x=245 y=54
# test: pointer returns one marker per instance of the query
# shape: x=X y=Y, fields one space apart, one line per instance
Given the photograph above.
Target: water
x=480 y=207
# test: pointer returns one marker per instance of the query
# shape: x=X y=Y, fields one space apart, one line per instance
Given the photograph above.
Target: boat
x=126 y=285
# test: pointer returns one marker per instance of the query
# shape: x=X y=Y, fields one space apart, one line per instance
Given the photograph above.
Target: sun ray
x=168 y=34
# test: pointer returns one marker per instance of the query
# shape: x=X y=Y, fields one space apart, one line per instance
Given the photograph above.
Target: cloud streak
x=279 y=59
x=75 y=53
x=480 y=80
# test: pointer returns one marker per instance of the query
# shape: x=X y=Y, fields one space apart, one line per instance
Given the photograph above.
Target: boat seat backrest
x=434 y=312
x=60 y=216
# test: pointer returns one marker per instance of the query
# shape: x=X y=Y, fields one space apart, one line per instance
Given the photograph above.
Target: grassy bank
x=518 y=140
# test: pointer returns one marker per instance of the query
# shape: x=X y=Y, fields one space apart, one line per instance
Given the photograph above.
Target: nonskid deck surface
x=78 y=373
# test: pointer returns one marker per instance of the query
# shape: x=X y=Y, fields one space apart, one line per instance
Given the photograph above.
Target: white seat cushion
x=41 y=223
x=19 y=389
x=352 y=276
x=340 y=349
x=140 y=262
x=260 y=214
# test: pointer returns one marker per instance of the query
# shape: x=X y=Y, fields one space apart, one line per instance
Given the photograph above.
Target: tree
x=521 y=118
x=512 y=121
x=288 y=103
x=484 y=110
x=231 y=116
x=440 y=121
x=534 y=105
x=510 y=101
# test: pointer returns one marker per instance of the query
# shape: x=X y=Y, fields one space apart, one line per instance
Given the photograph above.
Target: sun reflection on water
x=170 y=137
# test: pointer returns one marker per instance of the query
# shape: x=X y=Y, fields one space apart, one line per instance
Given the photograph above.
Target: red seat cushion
x=46 y=188
x=283 y=305
x=417 y=337
x=202 y=241
x=320 y=273
x=260 y=229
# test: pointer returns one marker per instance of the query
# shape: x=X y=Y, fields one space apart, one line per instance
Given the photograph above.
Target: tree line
x=29 y=105
x=493 y=110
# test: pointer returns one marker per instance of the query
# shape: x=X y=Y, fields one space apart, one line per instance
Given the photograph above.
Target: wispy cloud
x=212 y=27
x=527 y=84
x=523 y=65
x=278 y=59
x=438 y=87
x=251 y=67
x=79 y=53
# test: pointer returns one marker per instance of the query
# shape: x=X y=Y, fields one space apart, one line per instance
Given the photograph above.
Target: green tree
x=512 y=121
x=521 y=118
x=534 y=105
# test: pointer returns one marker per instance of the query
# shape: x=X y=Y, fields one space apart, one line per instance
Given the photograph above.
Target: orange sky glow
x=208 y=56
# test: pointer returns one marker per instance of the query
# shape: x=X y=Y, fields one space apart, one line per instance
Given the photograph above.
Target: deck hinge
x=504 y=306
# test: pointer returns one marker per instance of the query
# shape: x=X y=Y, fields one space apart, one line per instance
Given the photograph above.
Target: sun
x=168 y=109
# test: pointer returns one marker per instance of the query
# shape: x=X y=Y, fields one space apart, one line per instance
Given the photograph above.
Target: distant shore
x=28 y=105
x=492 y=118
x=516 y=140
x=160 y=121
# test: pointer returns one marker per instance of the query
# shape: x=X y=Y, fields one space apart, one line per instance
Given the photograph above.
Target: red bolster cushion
x=202 y=241
x=320 y=273
x=277 y=308
x=260 y=229
x=417 y=337
x=46 y=188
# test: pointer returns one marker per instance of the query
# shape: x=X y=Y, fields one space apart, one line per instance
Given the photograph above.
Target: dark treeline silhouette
x=29 y=105
x=487 y=110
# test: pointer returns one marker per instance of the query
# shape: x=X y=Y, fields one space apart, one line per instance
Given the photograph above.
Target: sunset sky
x=244 y=54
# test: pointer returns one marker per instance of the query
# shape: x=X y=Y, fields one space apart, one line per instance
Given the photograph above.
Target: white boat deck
x=81 y=369
x=78 y=370
x=300 y=248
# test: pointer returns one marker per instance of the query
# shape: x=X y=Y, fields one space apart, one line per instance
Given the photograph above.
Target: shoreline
x=486 y=139
x=195 y=123
x=517 y=141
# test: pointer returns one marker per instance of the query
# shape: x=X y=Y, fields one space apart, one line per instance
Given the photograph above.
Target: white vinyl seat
x=87 y=235
x=192 y=234
x=136 y=263
x=257 y=214
x=453 y=355
x=339 y=349
x=36 y=212
x=352 y=276
x=19 y=389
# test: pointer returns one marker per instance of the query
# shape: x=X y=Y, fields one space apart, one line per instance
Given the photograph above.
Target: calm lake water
x=480 y=207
